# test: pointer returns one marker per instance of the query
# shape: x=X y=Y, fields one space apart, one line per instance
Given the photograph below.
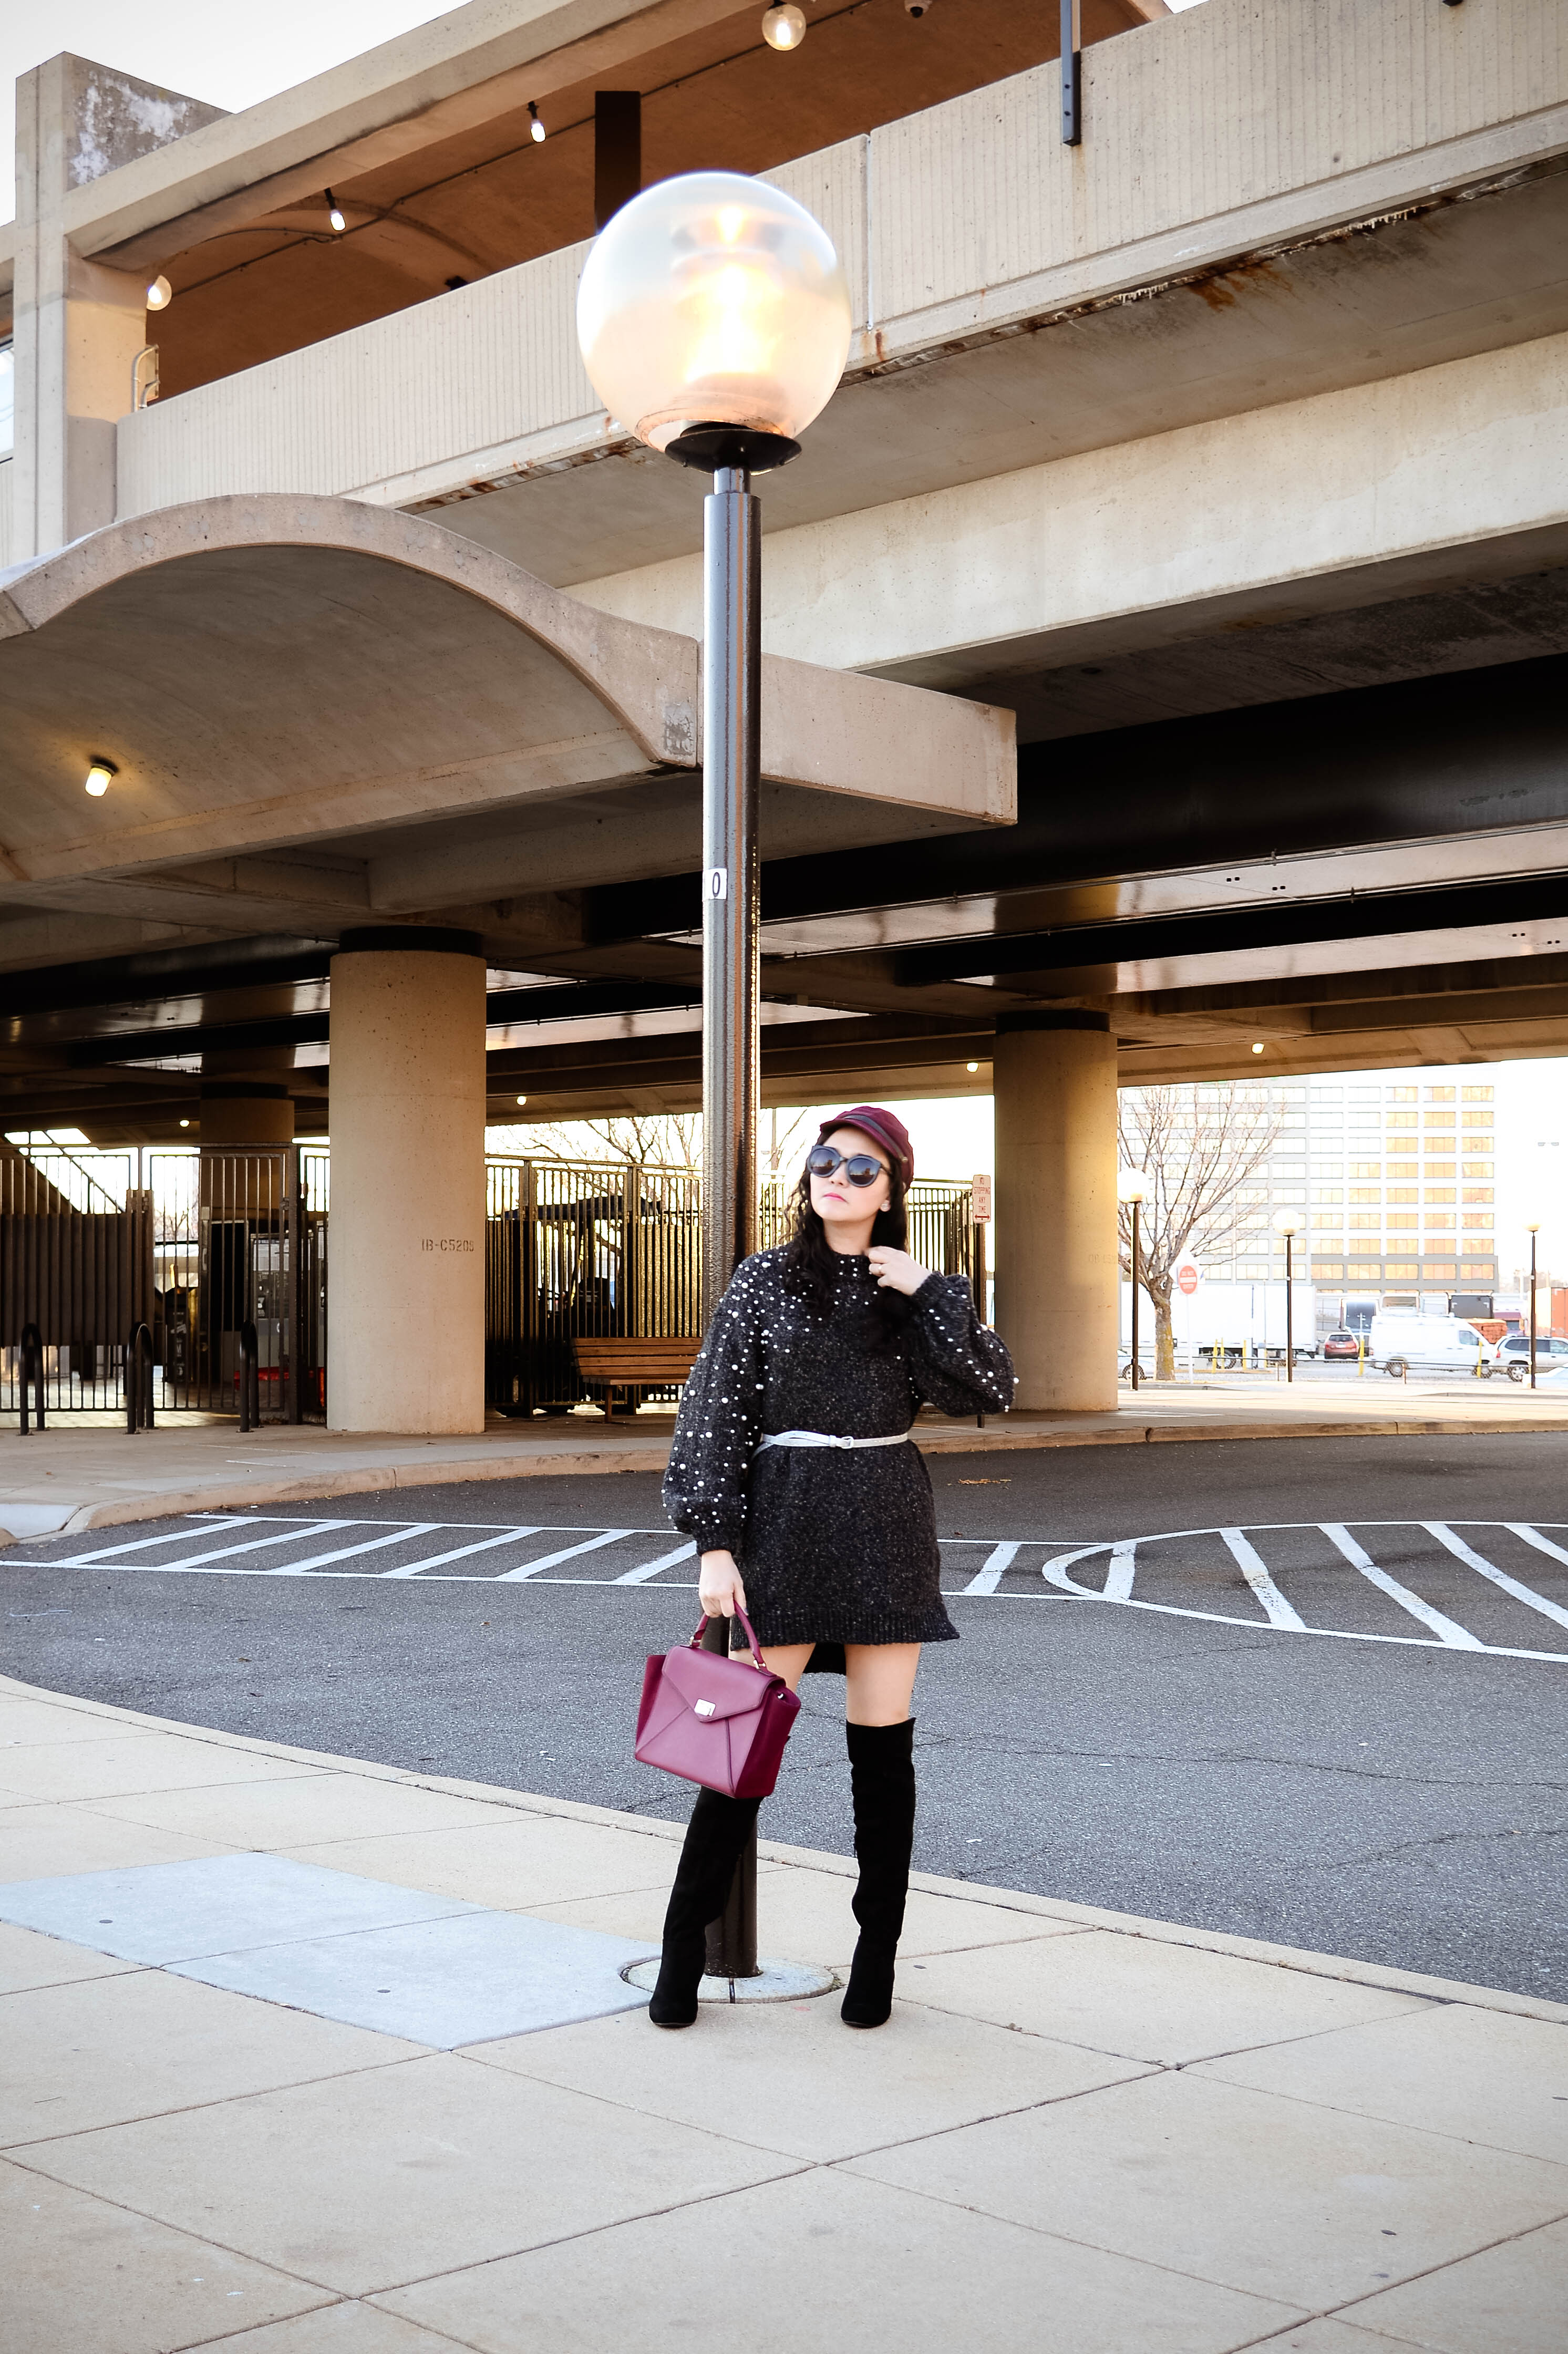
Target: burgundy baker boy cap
x=886 y=1126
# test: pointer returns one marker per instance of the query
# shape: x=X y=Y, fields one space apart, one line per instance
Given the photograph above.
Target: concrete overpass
x=1228 y=451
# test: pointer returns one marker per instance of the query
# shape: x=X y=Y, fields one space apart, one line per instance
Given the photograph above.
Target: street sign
x=1187 y=1278
x=980 y=1187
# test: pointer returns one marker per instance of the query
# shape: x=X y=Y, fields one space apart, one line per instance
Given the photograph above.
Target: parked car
x=1341 y=1345
x=1512 y=1355
x=1426 y=1344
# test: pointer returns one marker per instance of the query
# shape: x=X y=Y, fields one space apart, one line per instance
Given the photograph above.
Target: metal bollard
x=30 y=1363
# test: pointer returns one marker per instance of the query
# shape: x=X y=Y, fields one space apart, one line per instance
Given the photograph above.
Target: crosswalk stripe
x=652 y=1568
x=1447 y=1630
x=1250 y=1563
x=458 y=1553
x=1484 y=1568
x=566 y=1553
x=188 y=1561
x=988 y=1575
x=1533 y=1537
x=401 y=1534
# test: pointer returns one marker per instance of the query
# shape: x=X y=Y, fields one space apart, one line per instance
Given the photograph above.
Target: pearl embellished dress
x=835 y=1544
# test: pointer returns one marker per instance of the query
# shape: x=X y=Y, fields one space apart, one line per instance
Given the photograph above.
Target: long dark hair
x=812 y=1264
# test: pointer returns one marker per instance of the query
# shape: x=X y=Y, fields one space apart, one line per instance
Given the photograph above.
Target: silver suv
x=1512 y=1355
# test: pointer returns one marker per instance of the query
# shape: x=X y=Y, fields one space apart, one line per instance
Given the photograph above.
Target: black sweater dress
x=834 y=1544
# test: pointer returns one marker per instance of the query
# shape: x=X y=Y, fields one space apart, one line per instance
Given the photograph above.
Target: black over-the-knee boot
x=882 y=1776
x=714 y=1837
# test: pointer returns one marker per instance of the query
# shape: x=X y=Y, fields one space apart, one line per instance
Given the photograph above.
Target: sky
x=229 y=57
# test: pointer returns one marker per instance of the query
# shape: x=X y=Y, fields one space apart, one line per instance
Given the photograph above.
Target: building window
x=1477 y=1168
x=1366 y=1192
x=1399 y=1269
x=1439 y=1094
x=1441 y=1120
x=1477 y=1220
x=1435 y=1218
x=1366 y=1221
x=1327 y=1193
x=1438 y=1171
x=1366 y=1167
x=1476 y=1193
x=1443 y=1193
x=1400 y=1095
x=1402 y=1221
x=1329 y=1221
x=1402 y=1193
x=1402 y=1119
x=1479 y=1095
x=1481 y=1119
x=1403 y=1168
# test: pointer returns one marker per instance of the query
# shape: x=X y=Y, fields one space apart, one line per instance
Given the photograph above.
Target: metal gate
x=207 y=1248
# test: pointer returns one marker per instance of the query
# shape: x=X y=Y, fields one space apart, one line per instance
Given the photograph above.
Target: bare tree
x=643 y=1139
x=1198 y=1148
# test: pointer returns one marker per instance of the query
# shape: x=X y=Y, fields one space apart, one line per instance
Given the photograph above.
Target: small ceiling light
x=335 y=214
x=535 y=128
x=971 y=1066
x=784 y=27
x=185 y=1123
x=160 y=293
x=522 y=1100
x=1257 y=1046
x=101 y=774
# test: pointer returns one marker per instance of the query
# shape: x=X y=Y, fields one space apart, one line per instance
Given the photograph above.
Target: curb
x=223 y=1495
x=776 y=1854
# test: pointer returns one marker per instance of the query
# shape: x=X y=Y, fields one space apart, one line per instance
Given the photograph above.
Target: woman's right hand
x=719 y=1588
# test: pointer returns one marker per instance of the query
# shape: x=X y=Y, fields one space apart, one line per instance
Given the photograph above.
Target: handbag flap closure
x=719 y=1686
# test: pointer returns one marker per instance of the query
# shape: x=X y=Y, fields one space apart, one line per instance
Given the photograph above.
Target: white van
x=1427 y=1344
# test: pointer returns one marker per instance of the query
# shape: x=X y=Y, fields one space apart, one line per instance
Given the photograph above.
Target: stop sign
x=1187 y=1280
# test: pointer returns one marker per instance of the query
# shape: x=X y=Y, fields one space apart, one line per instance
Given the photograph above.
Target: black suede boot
x=714 y=1837
x=882 y=1776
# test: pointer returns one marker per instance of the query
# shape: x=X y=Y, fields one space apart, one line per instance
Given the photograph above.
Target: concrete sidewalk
x=81 y=1474
x=1080 y=2131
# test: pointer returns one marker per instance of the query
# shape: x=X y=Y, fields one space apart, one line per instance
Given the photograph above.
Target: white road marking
x=687 y=1552
x=566 y=1553
x=458 y=1553
x=1533 y=1537
x=1447 y=1630
x=1484 y=1568
x=990 y=1574
x=1250 y=1563
x=195 y=1560
x=402 y=1535
x=1119 y=1576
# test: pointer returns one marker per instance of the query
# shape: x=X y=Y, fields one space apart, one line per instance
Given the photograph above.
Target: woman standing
x=792 y=1463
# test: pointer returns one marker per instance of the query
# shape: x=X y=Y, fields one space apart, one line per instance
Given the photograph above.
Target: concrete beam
x=1376 y=491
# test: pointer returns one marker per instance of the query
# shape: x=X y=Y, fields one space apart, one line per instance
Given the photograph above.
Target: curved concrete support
x=1056 y=1275
x=406 y=1330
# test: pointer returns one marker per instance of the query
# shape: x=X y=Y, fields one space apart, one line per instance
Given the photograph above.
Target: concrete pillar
x=1056 y=1275
x=406 y=1231
x=79 y=324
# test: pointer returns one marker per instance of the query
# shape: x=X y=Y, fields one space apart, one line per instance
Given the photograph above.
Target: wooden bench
x=633 y=1365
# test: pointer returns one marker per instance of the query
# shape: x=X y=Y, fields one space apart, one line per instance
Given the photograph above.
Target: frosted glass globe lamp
x=714 y=319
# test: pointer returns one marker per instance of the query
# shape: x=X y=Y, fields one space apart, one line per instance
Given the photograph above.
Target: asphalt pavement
x=1311 y=1691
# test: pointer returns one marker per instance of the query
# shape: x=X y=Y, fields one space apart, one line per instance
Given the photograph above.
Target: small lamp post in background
x=1288 y=1223
x=1132 y=1187
x=1533 y=1229
x=714 y=319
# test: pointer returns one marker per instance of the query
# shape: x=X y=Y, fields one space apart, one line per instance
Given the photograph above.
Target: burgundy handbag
x=714 y=1720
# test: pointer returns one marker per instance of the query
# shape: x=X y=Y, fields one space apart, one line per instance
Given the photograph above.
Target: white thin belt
x=824 y=1438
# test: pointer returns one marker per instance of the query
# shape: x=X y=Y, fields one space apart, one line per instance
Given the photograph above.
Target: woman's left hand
x=896 y=1271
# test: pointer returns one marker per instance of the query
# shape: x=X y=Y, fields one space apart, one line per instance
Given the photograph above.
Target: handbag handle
x=756 y=1659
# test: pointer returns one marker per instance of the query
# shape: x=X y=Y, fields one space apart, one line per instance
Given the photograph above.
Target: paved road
x=1309 y=1690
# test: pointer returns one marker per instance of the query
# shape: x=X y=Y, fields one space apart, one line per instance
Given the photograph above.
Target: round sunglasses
x=860 y=1168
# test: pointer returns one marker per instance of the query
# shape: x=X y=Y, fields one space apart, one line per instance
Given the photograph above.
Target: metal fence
x=205 y=1246
x=199 y=1245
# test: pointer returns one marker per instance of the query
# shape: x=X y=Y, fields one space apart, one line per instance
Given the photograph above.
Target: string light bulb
x=1257 y=1046
x=335 y=214
x=160 y=293
x=522 y=1100
x=784 y=26
x=535 y=128
x=101 y=774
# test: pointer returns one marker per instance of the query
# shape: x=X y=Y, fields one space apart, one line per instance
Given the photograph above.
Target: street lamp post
x=1132 y=1186
x=1288 y=1223
x=713 y=321
x=1534 y=1229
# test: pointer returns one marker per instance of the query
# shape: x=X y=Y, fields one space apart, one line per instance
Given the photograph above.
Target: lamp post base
x=774 y=1982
